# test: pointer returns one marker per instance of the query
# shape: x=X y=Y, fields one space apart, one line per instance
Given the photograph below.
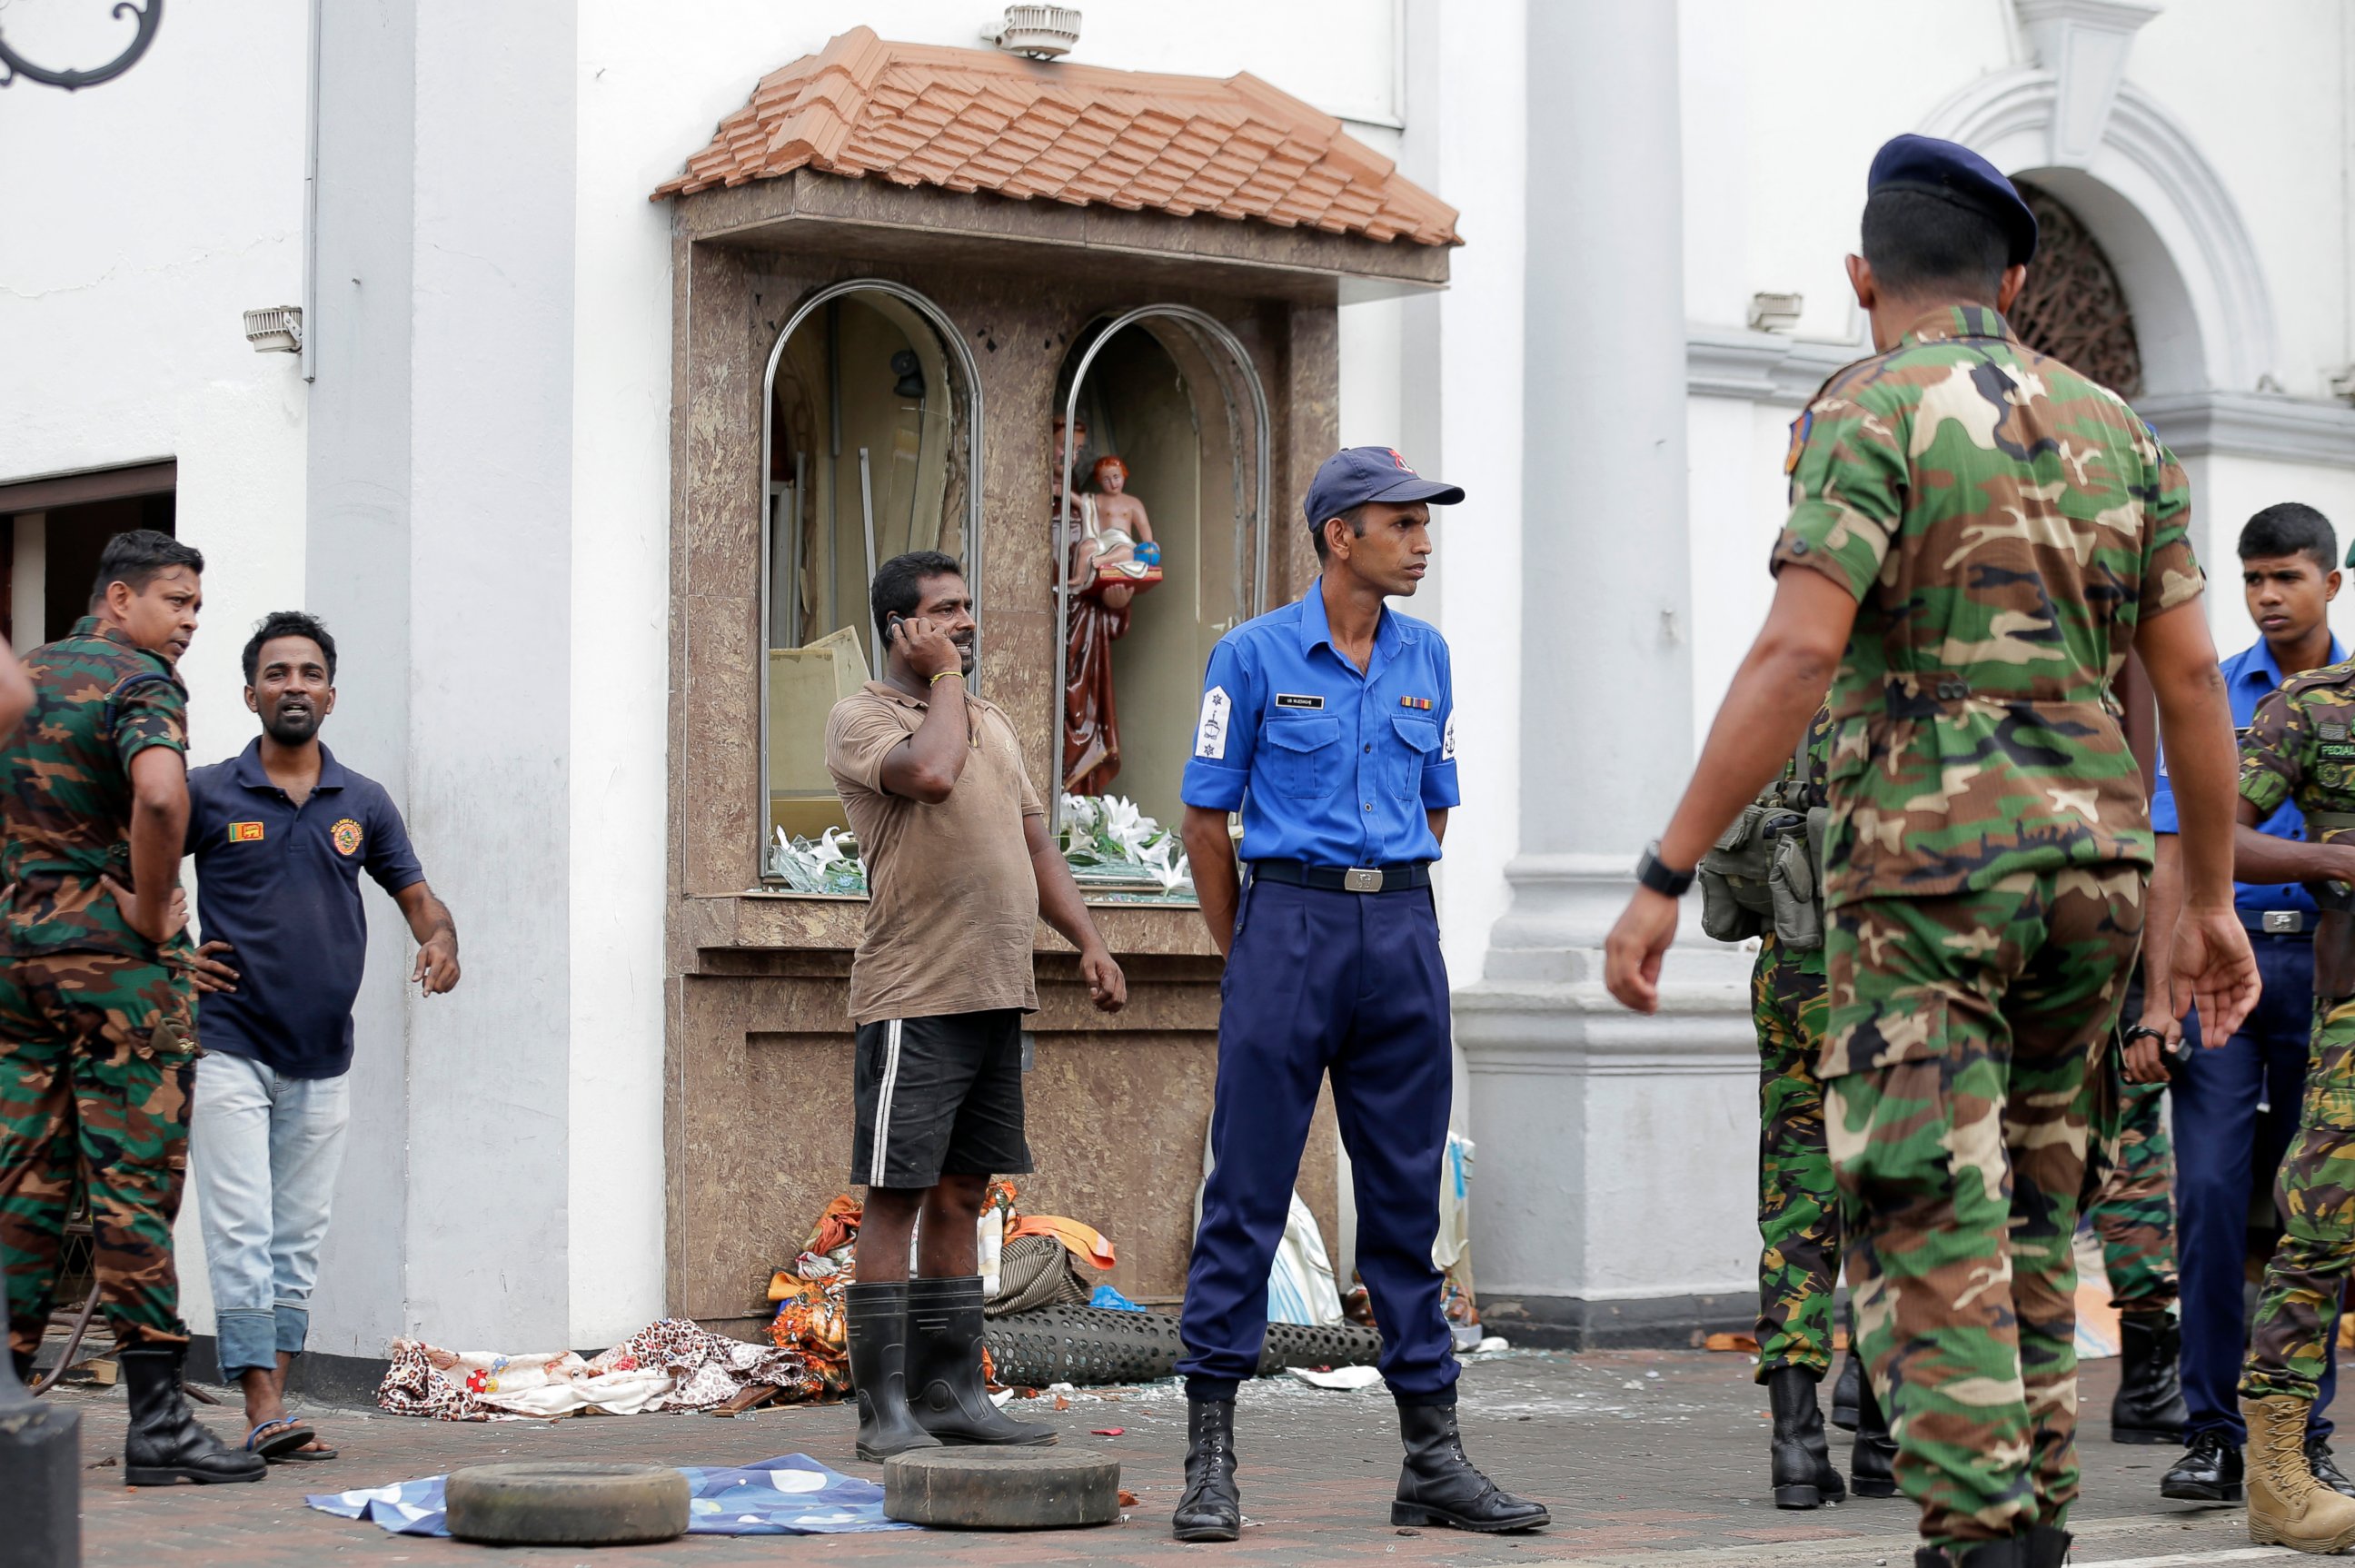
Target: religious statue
x=1111 y=558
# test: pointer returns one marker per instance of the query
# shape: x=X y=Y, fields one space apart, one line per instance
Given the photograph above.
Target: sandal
x=285 y=1435
x=304 y=1456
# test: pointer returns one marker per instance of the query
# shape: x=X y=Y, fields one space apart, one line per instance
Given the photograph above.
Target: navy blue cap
x=1356 y=475
x=1952 y=171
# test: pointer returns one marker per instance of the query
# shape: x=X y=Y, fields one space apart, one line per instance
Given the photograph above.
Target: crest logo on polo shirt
x=245 y=832
x=345 y=836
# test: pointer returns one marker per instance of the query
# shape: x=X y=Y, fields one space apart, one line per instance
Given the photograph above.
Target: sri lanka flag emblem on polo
x=245 y=832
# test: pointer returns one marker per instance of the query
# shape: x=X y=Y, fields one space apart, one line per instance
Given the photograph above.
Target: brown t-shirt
x=951 y=901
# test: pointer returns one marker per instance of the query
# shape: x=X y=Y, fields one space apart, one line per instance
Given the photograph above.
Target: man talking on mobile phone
x=960 y=868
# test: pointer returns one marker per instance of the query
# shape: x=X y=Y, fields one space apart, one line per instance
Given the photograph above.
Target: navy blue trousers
x=1350 y=984
x=2226 y=1151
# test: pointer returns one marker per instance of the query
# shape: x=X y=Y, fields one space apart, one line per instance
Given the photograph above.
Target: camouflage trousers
x=96 y=1064
x=1960 y=1149
x=2315 y=1193
x=2133 y=1206
x=1798 y=1204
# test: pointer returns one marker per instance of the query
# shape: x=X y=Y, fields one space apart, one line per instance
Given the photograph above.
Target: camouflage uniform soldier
x=2299 y=749
x=2133 y=1210
x=97 y=1038
x=1985 y=537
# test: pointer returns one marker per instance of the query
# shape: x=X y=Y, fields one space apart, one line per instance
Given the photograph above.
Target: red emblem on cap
x=1401 y=461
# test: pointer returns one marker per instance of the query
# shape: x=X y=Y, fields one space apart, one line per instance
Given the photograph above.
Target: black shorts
x=938 y=1096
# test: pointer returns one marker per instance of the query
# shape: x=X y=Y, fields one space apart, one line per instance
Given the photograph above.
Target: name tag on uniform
x=245 y=832
x=1294 y=700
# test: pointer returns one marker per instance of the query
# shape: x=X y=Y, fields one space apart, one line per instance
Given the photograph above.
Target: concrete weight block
x=1002 y=1488
x=561 y=1504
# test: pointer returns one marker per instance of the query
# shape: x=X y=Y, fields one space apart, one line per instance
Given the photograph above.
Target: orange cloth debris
x=1086 y=1242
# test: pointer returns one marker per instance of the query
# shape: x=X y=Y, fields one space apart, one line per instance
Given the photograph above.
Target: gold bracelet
x=942 y=677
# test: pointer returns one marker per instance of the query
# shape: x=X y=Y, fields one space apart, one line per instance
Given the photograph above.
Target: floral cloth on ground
x=671 y=1364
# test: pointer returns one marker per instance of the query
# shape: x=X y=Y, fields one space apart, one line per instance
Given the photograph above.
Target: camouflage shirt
x=98 y=699
x=2005 y=524
x=2298 y=747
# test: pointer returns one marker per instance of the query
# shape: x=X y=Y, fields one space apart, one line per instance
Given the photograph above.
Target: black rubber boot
x=1439 y=1486
x=945 y=1390
x=2210 y=1472
x=878 y=1341
x=1800 y=1460
x=1211 y=1508
x=1851 y=1377
x=2149 y=1404
x=165 y=1445
x=2048 y=1547
x=1872 y=1461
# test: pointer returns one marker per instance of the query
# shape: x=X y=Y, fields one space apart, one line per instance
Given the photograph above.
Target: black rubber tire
x=546 y=1503
x=1002 y=1488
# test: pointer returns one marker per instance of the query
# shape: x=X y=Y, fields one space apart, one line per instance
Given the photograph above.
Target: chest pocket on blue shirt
x=1402 y=764
x=1304 y=756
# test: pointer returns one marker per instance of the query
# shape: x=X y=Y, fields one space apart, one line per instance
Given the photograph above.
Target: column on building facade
x=1613 y=1197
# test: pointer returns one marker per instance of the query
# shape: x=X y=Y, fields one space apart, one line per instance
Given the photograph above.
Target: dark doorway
x=51 y=560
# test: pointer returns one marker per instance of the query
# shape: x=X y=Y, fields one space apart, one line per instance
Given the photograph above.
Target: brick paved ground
x=1646 y=1457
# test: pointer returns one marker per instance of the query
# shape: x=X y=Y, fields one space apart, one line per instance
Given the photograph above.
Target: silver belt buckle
x=2285 y=921
x=1362 y=879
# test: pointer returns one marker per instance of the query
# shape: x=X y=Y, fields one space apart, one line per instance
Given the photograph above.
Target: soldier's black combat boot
x=1439 y=1486
x=165 y=1445
x=1799 y=1458
x=945 y=1390
x=1851 y=1377
x=877 y=1336
x=2209 y=1472
x=1211 y=1508
x=2048 y=1547
x=2149 y=1404
x=2015 y=1551
x=1872 y=1462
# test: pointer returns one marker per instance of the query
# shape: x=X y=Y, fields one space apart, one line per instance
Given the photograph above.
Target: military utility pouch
x=1799 y=907
x=1736 y=902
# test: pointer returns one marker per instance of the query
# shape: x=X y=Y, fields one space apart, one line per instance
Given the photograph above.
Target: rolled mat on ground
x=790 y=1495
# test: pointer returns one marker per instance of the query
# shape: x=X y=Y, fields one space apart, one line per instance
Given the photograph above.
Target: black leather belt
x=2278 y=922
x=1349 y=879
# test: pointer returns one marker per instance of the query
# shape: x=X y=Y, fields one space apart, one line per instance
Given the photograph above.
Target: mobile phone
x=891 y=624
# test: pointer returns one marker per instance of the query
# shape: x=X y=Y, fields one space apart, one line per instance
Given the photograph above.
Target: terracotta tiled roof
x=969 y=120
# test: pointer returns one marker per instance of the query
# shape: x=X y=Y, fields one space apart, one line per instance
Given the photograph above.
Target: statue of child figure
x=1116 y=553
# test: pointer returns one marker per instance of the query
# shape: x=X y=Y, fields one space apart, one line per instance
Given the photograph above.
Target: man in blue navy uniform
x=2236 y=1107
x=1330 y=724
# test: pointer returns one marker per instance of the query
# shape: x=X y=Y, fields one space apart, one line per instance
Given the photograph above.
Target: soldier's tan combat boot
x=2287 y=1507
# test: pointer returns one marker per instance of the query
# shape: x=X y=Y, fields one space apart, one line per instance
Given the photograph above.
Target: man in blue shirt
x=2236 y=1107
x=1330 y=724
x=280 y=834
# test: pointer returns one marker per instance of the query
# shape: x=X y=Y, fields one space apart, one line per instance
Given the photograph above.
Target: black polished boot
x=1851 y=1377
x=877 y=1336
x=1800 y=1461
x=2326 y=1468
x=1439 y=1486
x=1211 y=1508
x=165 y=1445
x=946 y=1392
x=2209 y=1472
x=2149 y=1404
x=1872 y=1461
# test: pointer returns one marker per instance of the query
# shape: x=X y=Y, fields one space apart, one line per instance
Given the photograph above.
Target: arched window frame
x=969 y=371
x=1205 y=329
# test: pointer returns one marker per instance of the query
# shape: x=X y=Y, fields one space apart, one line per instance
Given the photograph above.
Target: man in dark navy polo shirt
x=280 y=834
x=2236 y=1107
x=1331 y=724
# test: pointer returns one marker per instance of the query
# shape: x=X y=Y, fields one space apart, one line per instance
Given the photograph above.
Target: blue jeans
x=265 y=1150
x=2225 y=1150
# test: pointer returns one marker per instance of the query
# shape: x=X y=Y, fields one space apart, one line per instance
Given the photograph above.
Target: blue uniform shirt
x=280 y=884
x=2250 y=677
x=1330 y=766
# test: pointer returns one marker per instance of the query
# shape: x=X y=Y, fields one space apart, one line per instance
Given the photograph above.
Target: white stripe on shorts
x=876 y=1166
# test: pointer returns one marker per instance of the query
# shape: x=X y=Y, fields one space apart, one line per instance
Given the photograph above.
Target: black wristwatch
x=1654 y=873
